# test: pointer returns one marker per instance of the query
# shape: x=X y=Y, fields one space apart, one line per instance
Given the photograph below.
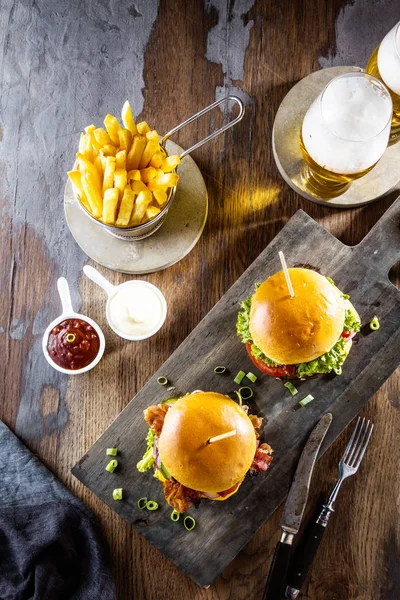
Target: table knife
x=294 y=509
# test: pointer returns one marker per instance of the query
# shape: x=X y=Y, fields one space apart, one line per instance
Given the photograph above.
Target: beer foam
x=389 y=59
x=346 y=129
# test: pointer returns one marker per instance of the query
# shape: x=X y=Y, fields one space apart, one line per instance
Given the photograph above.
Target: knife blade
x=294 y=509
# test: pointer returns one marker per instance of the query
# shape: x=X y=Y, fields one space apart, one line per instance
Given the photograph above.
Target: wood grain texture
x=63 y=66
x=362 y=272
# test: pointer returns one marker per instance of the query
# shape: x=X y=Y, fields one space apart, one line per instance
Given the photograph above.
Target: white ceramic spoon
x=69 y=313
x=112 y=290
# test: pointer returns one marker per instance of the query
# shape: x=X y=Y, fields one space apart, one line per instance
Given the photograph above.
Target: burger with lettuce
x=188 y=466
x=308 y=334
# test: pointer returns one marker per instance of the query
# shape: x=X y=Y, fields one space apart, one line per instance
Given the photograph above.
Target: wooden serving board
x=223 y=528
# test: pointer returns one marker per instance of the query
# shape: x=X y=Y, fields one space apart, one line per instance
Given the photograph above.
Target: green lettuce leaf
x=243 y=329
x=352 y=320
x=148 y=459
x=330 y=361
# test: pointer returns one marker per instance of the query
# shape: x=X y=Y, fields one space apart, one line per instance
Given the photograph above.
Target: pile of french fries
x=124 y=177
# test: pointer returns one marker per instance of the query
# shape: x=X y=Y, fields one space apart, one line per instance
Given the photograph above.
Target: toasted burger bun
x=183 y=447
x=295 y=330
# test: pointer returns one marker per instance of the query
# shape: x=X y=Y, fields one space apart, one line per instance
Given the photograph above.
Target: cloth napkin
x=50 y=547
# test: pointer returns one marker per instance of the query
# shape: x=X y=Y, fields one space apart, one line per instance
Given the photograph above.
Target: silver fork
x=308 y=546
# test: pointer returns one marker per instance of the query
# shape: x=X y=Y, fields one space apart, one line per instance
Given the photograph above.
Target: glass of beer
x=385 y=64
x=344 y=133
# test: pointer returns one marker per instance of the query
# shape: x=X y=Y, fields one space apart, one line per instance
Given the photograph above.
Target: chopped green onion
x=293 y=390
x=151 y=505
x=306 y=400
x=71 y=337
x=169 y=401
x=117 y=494
x=162 y=380
x=219 y=370
x=252 y=377
x=239 y=377
x=142 y=503
x=112 y=465
x=238 y=394
x=374 y=325
x=249 y=392
x=175 y=516
x=189 y=523
x=112 y=451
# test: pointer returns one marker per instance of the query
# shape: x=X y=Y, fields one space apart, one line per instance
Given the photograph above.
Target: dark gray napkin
x=50 y=547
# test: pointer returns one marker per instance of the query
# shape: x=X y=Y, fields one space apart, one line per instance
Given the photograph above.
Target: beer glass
x=385 y=64
x=344 y=133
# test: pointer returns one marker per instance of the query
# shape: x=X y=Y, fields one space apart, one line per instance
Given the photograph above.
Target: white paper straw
x=286 y=271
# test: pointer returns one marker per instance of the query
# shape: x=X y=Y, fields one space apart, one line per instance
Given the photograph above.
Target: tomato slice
x=280 y=371
x=346 y=335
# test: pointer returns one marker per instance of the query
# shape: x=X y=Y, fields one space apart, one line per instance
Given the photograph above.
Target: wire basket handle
x=200 y=114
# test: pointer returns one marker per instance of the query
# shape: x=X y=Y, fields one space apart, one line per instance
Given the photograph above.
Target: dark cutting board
x=223 y=528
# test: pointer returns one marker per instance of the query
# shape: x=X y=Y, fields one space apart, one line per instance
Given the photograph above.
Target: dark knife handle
x=275 y=586
x=304 y=554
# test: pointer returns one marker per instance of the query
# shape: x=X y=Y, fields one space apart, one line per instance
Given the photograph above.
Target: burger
x=300 y=336
x=188 y=465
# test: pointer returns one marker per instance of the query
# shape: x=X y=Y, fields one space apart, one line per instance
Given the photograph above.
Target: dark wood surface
x=362 y=272
x=63 y=66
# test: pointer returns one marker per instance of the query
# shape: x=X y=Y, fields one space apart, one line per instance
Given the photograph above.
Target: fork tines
x=358 y=444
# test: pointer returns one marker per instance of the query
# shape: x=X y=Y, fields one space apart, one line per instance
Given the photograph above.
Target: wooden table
x=63 y=66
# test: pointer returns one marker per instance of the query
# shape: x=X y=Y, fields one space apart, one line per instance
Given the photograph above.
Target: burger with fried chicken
x=186 y=463
x=300 y=336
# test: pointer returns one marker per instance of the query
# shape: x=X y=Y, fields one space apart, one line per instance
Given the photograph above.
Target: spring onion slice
x=142 y=503
x=112 y=465
x=189 y=523
x=175 y=516
x=292 y=389
x=112 y=451
x=162 y=380
x=151 y=505
x=374 y=325
x=248 y=392
x=239 y=377
x=219 y=370
x=71 y=338
x=251 y=377
x=306 y=400
x=117 y=494
x=238 y=394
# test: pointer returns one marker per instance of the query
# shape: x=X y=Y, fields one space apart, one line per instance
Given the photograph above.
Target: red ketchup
x=73 y=344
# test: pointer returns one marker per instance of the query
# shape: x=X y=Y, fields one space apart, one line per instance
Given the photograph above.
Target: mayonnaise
x=135 y=310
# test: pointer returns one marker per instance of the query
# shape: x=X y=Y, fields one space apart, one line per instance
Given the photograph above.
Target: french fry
x=75 y=177
x=147 y=174
x=143 y=127
x=161 y=196
x=109 y=150
x=112 y=127
x=139 y=209
x=86 y=166
x=152 y=135
x=85 y=146
x=135 y=153
x=99 y=166
x=102 y=137
x=93 y=194
x=127 y=118
x=157 y=159
x=95 y=144
x=138 y=186
x=148 y=153
x=169 y=163
x=125 y=139
x=120 y=160
x=90 y=128
x=103 y=161
x=110 y=205
x=120 y=180
x=134 y=175
x=108 y=179
x=152 y=211
x=164 y=182
x=126 y=207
